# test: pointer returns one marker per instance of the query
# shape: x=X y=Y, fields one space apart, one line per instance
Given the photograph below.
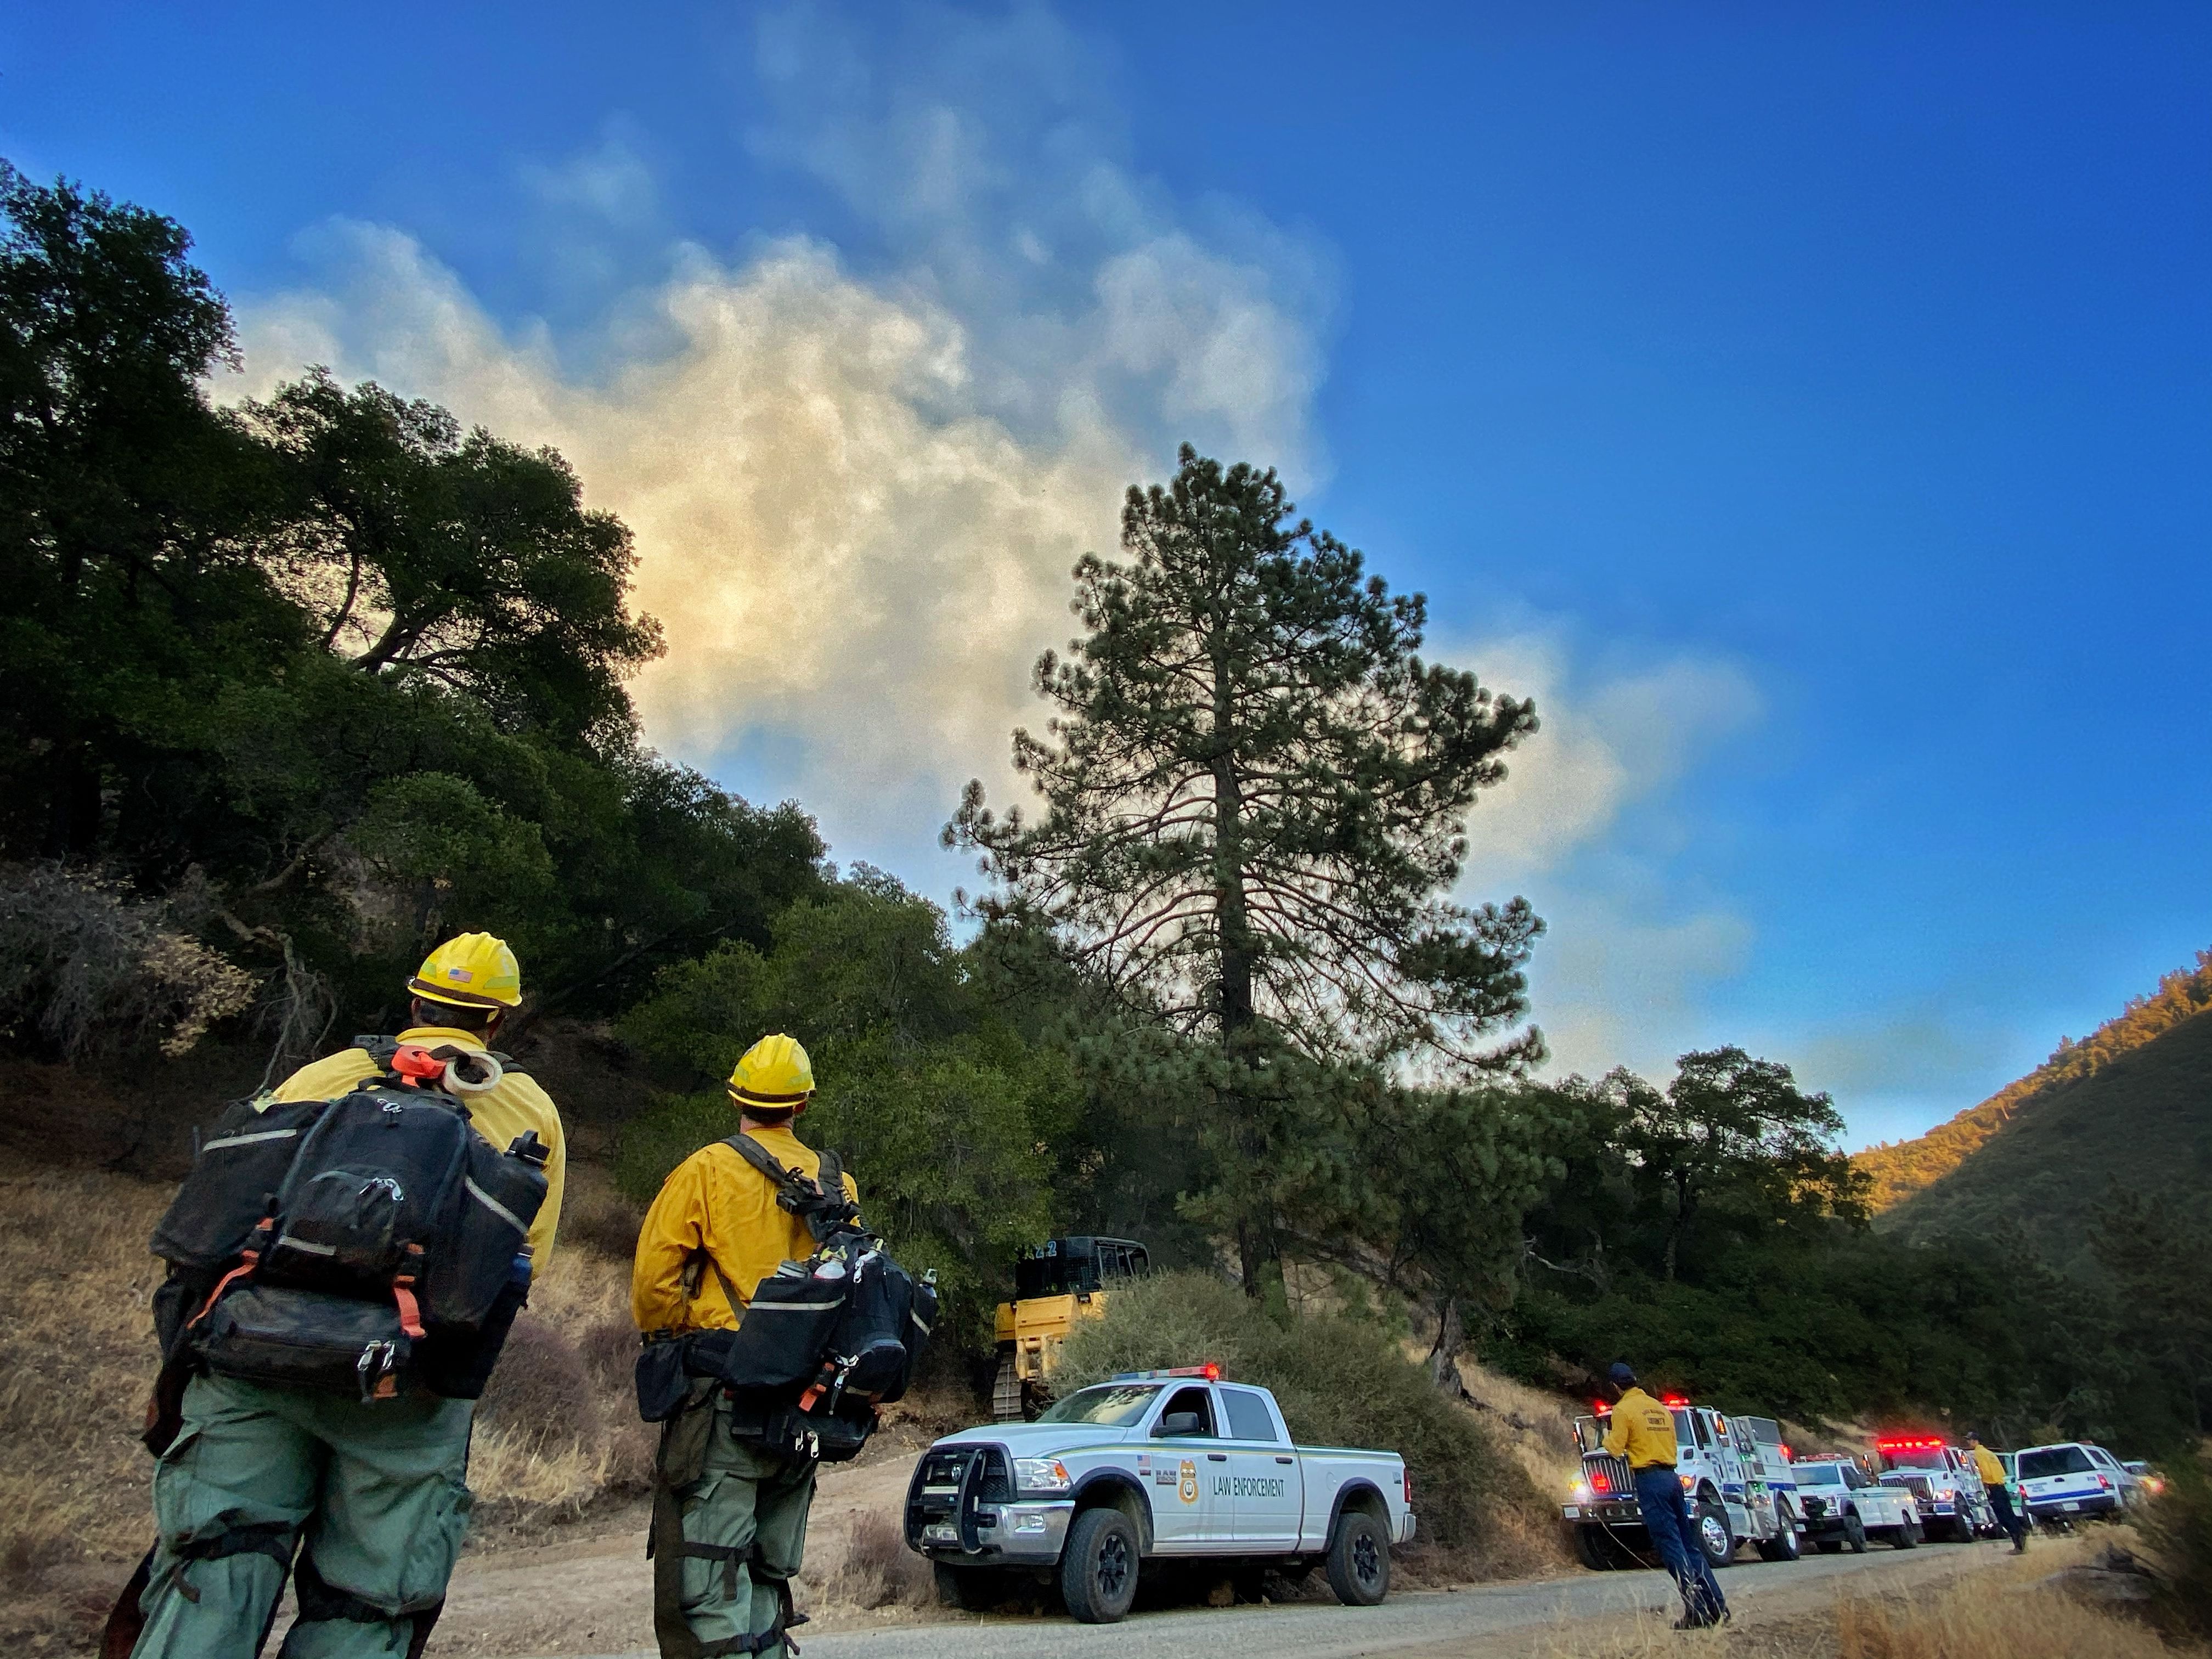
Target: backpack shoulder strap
x=760 y=1157
x=831 y=1176
x=378 y=1049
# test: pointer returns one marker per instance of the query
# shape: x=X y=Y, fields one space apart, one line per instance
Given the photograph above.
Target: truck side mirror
x=1179 y=1423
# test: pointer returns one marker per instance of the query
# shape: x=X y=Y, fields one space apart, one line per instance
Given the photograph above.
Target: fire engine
x=1735 y=1473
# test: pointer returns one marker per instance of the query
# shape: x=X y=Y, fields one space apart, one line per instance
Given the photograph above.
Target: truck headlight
x=1041 y=1474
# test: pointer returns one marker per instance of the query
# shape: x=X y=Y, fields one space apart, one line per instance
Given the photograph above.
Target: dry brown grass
x=1991 y=1616
x=875 y=1570
x=2008 y=1612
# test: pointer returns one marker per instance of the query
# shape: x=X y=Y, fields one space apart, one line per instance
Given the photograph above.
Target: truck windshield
x=1110 y=1405
x=1913 y=1457
x=2046 y=1460
x=1819 y=1475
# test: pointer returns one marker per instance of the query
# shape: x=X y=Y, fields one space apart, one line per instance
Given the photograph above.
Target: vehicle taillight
x=2103 y=1482
x=1409 y=1488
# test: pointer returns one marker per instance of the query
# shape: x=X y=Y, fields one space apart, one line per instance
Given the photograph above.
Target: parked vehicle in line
x=1952 y=1502
x=1151 y=1466
x=1736 y=1473
x=2064 y=1483
x=2131 y=1486
x=1845 y=1506
x=2154 y=1483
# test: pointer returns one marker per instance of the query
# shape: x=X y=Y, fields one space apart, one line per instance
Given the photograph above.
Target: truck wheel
x=1905 y=1535
x=1713 y=1535
x=971 y=1589
x=1854 y=1534
x=1594 y=1548
x=1783 y=1546
x=1098 y=1568
x=1359 y=1560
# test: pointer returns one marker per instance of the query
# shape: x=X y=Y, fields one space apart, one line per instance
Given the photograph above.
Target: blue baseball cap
x=1622 y=1374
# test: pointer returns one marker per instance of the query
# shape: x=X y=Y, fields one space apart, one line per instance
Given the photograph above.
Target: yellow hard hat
x=473 y=971
x=774 y=1072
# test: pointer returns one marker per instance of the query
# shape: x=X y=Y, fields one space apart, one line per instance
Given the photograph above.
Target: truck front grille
x=1609 y=1476
x=951 y=1484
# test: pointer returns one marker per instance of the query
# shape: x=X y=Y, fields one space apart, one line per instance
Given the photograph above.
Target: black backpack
x=373 y=1245
x=824 y=1342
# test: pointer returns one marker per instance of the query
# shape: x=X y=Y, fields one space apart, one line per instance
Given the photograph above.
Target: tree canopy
x=1254 y=790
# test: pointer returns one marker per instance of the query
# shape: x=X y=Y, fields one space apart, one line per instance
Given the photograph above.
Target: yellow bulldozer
x=1055 y=1284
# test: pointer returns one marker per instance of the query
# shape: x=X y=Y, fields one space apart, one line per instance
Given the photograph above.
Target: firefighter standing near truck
x=1993 y=1477
x=1642 y=1432
x=729 y=1523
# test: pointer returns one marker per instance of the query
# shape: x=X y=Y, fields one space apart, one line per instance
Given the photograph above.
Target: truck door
x=1266 y=1491
x=1730 y=1470
x=1187 y=1511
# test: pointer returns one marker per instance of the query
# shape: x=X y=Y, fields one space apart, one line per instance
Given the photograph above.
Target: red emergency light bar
x=1674 y=1399
x=1210 y=1371
x=1925 y=1443
x=1601 y=1408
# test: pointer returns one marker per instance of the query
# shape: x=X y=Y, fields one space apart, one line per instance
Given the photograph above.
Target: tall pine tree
x=1254 y=798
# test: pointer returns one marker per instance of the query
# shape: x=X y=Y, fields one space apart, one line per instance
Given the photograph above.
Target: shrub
x=1340 y=1381
x=90 y=967
x=2177 y=1534
x=608 y=1227
x=540 y=1393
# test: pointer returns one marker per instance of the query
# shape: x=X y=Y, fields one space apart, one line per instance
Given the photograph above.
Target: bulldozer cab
x=1078 y=1265
x=1055 y=1284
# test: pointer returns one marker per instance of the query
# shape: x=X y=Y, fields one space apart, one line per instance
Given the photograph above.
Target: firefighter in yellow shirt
x=370 y=1496
x=729 y=1516
x=1642 y=1432
x=1993 y=1477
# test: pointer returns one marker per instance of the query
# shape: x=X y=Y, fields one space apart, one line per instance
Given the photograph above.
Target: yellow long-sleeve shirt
x=512 y=1105
x=1642 y=1430
x=1986 y=1466
x=716 y=1212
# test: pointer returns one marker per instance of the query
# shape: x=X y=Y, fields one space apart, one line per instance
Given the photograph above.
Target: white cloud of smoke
x=857 y=485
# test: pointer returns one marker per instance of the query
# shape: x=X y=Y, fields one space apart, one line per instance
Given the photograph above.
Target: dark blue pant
x=2015 y=1525
x=1673 y=1532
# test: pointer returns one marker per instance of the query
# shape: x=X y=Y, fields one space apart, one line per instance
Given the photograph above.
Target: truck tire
x=1905 y=1535
x=1854 y=1534
x=971 y=1589
x=1784 y=1545
x=1714 y=1537
x=1594 y=1548
x=1098 y=1568
x=1359 y=1560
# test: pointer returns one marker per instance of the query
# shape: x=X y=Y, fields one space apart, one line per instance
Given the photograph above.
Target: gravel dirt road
x=1460 y=1623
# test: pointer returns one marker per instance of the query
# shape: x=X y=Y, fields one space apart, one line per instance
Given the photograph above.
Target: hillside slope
x=1903 y=1168
x=2142 y=1118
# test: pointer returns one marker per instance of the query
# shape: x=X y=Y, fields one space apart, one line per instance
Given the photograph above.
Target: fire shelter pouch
x=787 y=1327
x=295 y=1338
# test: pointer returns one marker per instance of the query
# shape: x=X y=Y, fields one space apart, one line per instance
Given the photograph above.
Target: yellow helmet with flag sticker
x=475 y=971
x=773 y=1073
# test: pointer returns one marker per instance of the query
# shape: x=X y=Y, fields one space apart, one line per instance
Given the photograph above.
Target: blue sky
x=1808 y=405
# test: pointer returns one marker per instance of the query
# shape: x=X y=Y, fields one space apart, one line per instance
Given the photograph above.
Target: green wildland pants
x=729 y=1532
x=376 y=1492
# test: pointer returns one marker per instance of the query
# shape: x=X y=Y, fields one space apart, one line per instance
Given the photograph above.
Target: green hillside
x=2142 y=1119
x=1900 y=1170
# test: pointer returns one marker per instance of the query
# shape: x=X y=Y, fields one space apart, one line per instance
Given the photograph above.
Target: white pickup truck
x=1845 y=1506
x=1149 y=1465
